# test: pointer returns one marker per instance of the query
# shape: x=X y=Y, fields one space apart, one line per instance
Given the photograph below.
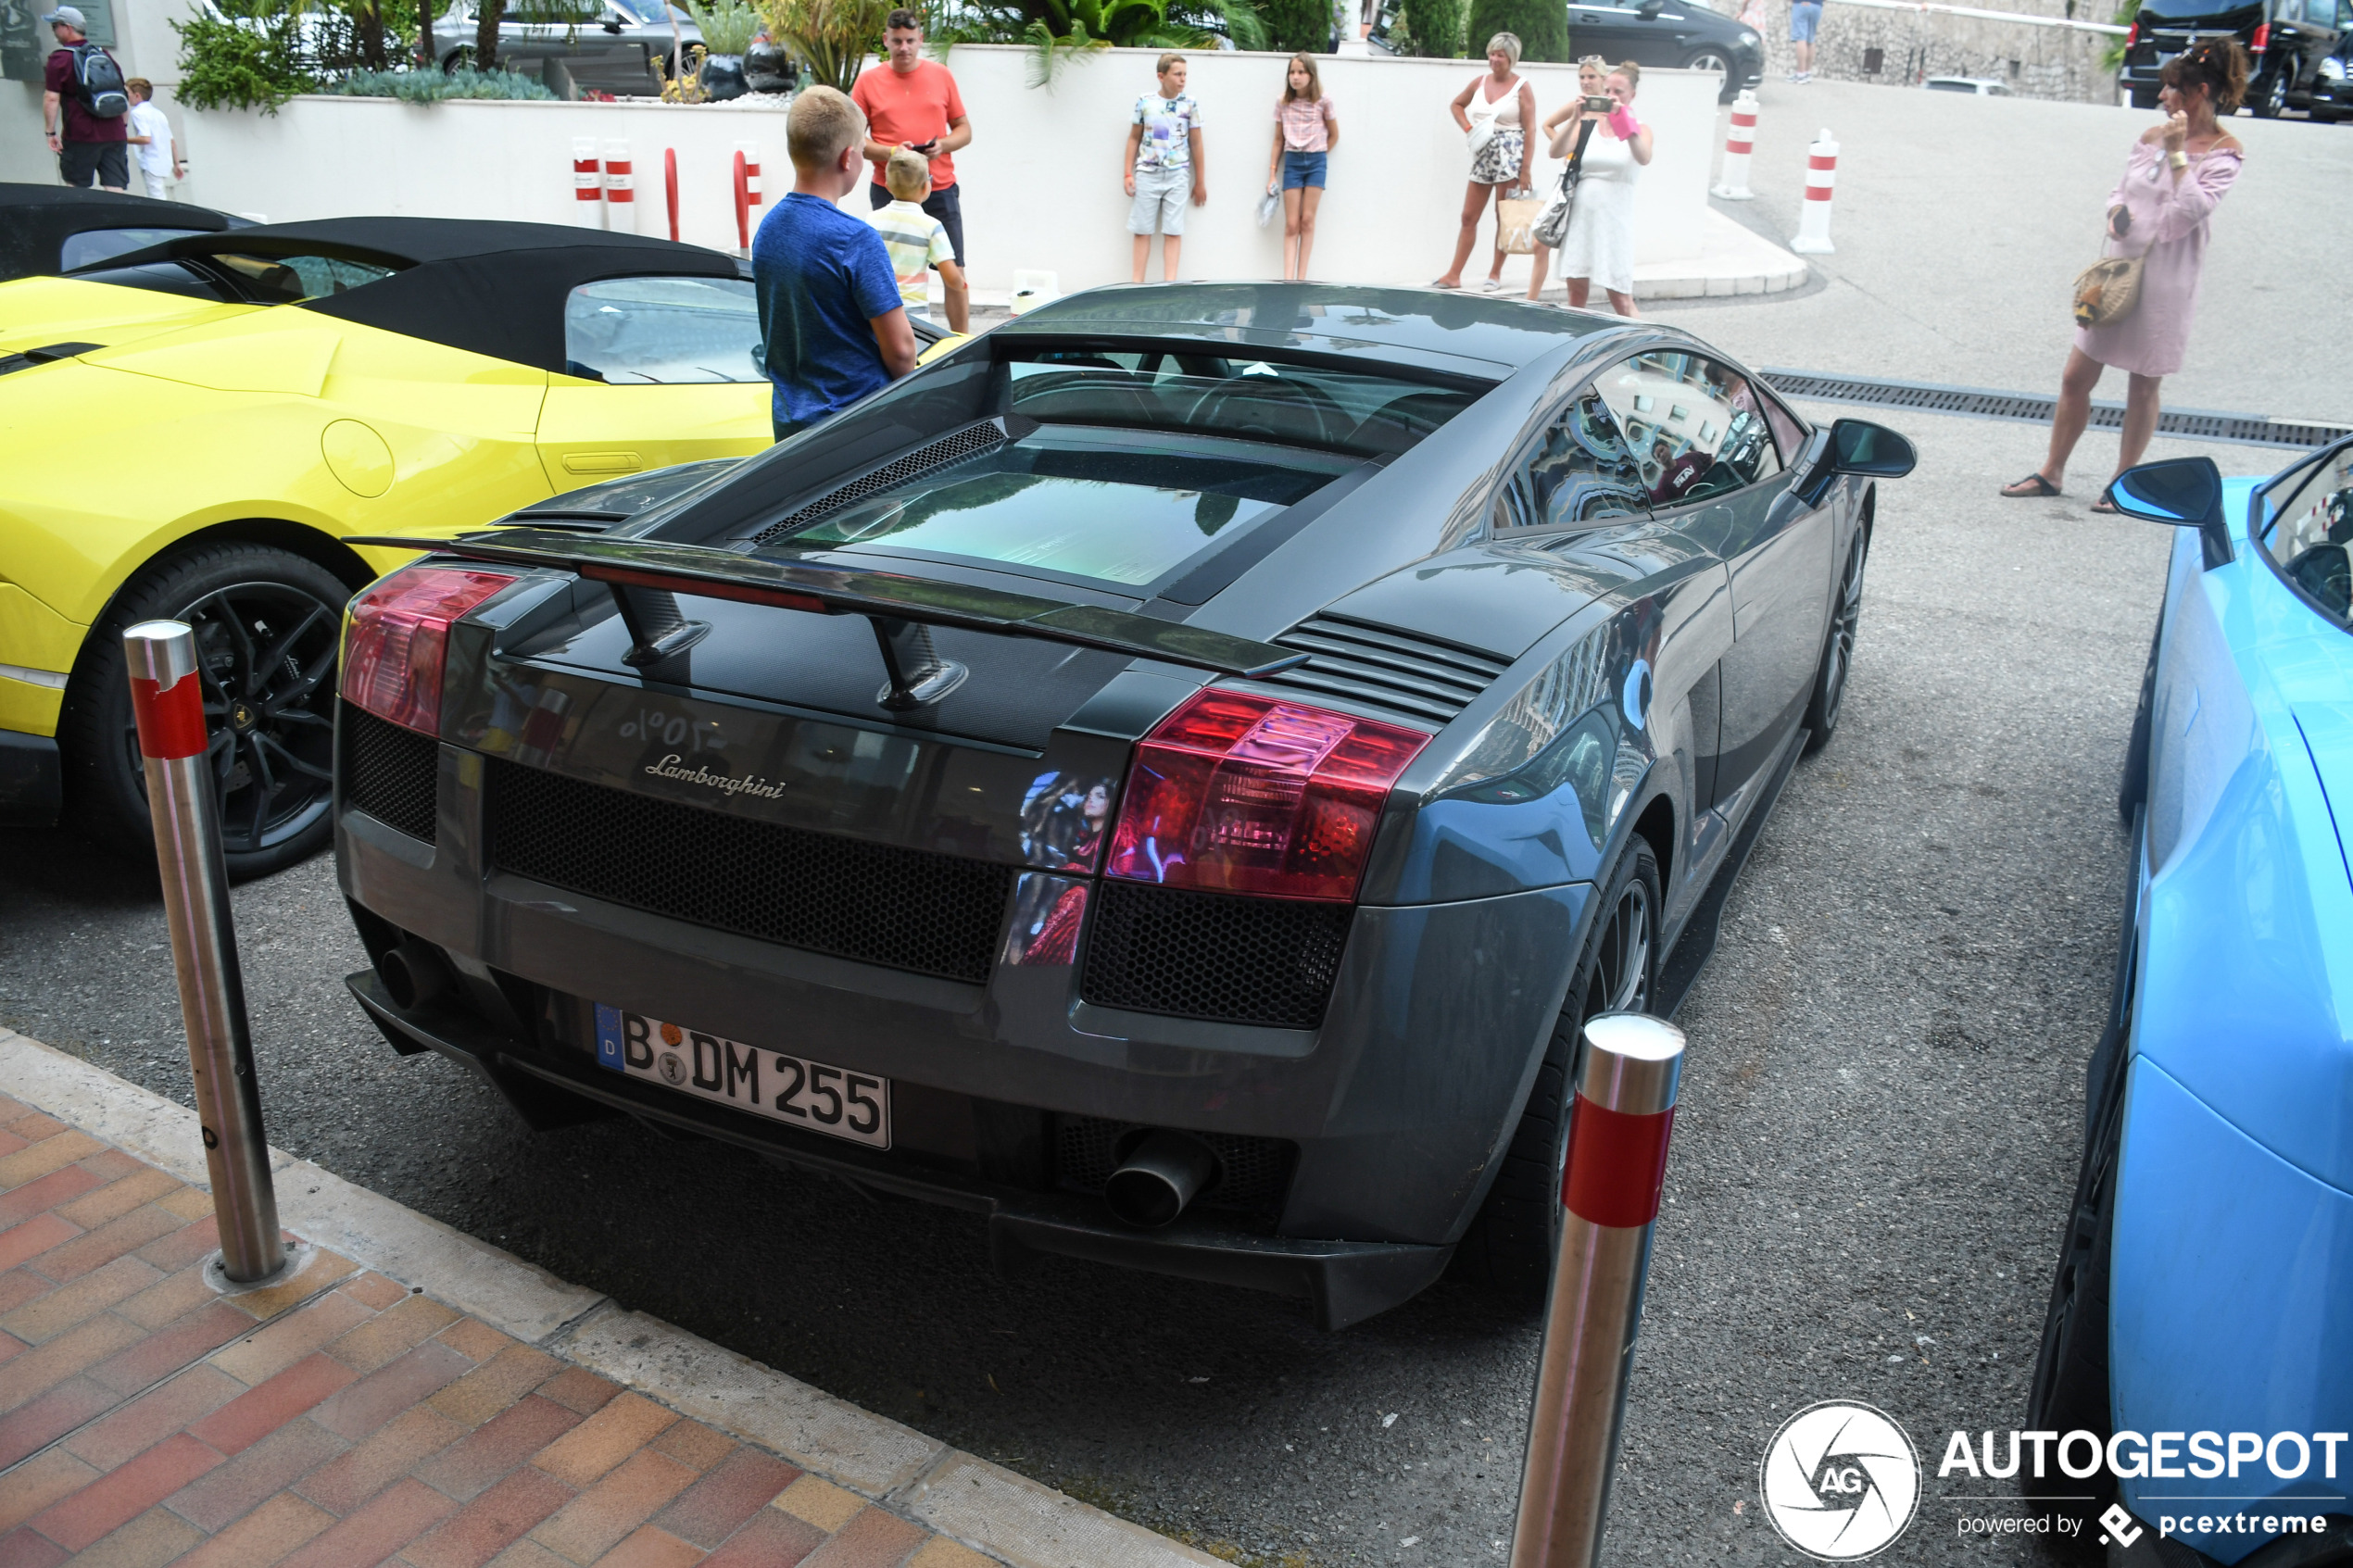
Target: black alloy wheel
x=1712 y=58
x=2269 y=98
x=1509 y=1248
x=1838 y=651
x=267 y=625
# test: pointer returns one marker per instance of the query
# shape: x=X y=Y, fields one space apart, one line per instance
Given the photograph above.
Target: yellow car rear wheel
x=267 y=624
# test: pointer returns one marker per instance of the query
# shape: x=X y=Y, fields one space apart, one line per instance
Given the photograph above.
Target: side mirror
x=1648 y=10
x=1860 y=447
x=2182 y=493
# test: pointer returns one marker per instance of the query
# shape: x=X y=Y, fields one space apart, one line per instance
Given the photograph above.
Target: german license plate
x=791 y=1089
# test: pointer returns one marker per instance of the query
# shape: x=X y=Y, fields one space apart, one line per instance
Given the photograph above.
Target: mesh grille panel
x=1210 y=955
x=2252 y=430
x=1253 y=1173
x=876 y=903
x=389 y=772
x=954 y=447
x=1421 y=679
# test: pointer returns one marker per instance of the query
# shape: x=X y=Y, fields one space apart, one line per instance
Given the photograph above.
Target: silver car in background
x=625 y=49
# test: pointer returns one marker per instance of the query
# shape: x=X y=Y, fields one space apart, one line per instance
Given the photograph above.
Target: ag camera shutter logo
x=1841 y=1481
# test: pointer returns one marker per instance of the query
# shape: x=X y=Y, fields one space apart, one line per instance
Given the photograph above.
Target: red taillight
x=399 y=635
x=2133 y=33
x=1236 y=794
x=2261 y=41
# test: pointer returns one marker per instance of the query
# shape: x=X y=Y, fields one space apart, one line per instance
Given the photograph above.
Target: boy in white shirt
x=1165 y=166
x=158 y=161
x=918 y=243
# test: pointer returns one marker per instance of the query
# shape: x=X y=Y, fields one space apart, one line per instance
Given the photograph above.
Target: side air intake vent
x=1420 y=679
x=956 y=447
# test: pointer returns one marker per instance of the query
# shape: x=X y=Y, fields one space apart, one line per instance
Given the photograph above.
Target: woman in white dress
x=1600 y=243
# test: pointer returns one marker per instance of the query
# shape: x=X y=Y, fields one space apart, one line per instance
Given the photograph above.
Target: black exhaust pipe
x=415 y=973
x=1163 y=1172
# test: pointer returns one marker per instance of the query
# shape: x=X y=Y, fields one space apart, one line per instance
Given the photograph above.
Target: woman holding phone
x=1599 y=241
x=1591 y=71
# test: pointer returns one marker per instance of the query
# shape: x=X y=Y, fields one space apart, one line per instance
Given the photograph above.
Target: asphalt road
x=1880 y=1124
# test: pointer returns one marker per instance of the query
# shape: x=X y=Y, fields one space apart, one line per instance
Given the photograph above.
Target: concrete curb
x=1008 y=1517
x=1734 y=260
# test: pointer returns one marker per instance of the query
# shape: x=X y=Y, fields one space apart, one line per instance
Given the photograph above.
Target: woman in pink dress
x=2177 y=174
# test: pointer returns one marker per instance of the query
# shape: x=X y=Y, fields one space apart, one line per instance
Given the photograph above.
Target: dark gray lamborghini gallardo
x=1168 y=777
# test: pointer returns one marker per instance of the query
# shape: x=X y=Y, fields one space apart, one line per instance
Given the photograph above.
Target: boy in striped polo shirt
x=918 y=241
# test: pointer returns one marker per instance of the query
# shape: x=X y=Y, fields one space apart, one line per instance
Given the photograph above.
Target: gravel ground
x=1879 y=1131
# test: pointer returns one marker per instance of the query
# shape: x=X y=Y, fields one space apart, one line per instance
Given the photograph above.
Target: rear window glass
x=636 y=331
x=94 y=246
x=1289 y=405
x=163 y=277
x=1067 y=504
x=290 y=279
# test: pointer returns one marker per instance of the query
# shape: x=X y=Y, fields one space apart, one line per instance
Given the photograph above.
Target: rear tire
x=1509 y=1248
x=2268 y=97
x=1838 y=650
x=2143 y=98
x=268 y=624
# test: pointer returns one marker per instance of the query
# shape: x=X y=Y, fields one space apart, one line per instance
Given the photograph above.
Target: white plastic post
x=621 y=188
x=1821 y=180
x=586 y=185
x=1739 y=142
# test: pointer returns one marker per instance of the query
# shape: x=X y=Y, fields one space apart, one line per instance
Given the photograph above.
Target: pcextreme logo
x=1840 y=1480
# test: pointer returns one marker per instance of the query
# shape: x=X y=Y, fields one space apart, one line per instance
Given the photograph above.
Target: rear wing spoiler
x=646 y=576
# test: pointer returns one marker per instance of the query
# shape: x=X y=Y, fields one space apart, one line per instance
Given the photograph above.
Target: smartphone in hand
x=1600 y=104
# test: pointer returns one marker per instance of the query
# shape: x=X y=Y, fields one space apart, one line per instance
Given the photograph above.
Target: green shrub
x=1540 y=25
x=1433 y=27
x=432 y=86
x=727 y=25
x=1293 y=25
x=240 y=63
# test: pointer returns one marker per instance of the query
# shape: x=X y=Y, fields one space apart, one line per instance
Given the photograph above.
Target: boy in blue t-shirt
x=831 y=323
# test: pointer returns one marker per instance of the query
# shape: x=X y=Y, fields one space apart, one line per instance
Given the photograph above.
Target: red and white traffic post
x=621 y=192
x=1822 y=183
x=1731 y=183
x=587 y=188
x=1617 y=1132
x=167 y=700
x=748 y=196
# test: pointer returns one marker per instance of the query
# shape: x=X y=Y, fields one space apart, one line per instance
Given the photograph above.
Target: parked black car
x=2294 y=47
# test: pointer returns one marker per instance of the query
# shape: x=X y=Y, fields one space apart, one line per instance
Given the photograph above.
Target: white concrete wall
x=1042 y=179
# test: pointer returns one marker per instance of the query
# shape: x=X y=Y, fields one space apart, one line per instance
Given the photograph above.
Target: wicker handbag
x=2107 y=290
x=1515 y=217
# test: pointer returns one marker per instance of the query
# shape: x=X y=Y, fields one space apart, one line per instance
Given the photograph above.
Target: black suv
x=1666 y=33
x=2293 y=45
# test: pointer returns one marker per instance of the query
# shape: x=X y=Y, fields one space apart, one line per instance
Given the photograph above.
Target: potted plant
x=727 y=28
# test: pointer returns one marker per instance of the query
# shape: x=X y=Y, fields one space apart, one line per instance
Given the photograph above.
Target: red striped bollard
x=743 y=208
x=167 y=703
x=752 y=179
x=1617 y=1132
x=670 y=182
x=621 y=188
x=1821 y=180
x=588 y=186
x=1739 y=142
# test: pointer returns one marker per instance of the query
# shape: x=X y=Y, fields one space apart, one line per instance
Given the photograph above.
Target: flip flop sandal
x=2103 y=508
x=1441 y=283
x=2033 y=487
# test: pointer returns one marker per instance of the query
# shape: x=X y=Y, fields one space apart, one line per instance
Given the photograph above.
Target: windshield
x=2307 y=526
x=1261 y=400
x=1072 y=505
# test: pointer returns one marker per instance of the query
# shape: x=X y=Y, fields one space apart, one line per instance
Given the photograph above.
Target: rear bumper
x=32 y=780
x=1345 y=1281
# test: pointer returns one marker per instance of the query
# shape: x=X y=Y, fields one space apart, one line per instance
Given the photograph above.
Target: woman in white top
x=1494 y=113
x=1600 y=243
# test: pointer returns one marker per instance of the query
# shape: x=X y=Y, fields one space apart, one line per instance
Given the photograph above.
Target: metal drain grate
x=2198 y=424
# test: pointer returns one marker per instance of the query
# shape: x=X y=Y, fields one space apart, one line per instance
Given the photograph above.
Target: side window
x=635 y=332
x=290 y=279
x=94 y=246
x=1580 y=473
x=1697 y=429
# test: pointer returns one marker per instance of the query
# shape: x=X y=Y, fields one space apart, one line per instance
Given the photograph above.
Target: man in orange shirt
x=914 y=104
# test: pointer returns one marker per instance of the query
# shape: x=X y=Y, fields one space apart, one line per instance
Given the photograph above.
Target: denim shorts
x=1303 y=169
x=1804 y=16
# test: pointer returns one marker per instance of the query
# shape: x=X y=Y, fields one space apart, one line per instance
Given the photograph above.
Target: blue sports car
x=2201 y=1323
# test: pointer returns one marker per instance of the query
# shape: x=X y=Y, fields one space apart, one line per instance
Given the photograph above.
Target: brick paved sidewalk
x=341 y=1419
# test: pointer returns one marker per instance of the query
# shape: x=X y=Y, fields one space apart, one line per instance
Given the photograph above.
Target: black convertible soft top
x=490 y=288
x=36 y=221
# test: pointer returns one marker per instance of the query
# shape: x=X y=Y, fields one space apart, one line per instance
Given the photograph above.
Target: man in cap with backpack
x=83 y=102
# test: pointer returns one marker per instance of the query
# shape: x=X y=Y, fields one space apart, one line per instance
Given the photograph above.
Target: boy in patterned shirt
x=1165 y=165
x=918 y=241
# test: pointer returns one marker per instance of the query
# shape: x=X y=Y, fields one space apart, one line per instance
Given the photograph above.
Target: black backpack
x=103 y=92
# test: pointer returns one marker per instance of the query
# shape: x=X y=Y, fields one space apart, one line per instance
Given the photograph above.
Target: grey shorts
x=1161 y=198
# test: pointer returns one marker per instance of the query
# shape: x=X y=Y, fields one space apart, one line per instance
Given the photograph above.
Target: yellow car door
x=658 y=371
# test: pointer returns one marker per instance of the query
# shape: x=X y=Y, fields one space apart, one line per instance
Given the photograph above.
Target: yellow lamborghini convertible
x=191 y=431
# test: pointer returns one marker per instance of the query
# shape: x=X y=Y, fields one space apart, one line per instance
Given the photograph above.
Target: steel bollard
x=1618 y=1127
x=167 y=698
